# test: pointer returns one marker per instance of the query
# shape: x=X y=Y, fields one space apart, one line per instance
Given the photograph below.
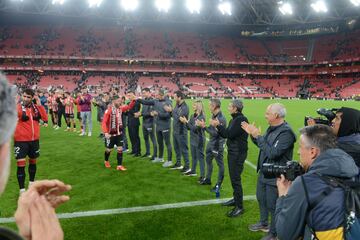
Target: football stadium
x=179 y=119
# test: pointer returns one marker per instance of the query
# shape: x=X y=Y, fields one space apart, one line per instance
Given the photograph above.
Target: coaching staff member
x=276 y=146
x=237 y=145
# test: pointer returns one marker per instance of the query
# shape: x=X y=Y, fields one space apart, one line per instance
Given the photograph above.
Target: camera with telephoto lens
x=329 y=115
x=291 y=170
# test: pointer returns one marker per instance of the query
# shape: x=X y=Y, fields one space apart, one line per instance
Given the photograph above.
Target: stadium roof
x=243 y=12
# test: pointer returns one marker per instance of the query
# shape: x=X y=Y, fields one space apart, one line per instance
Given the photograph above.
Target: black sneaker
x=205 y=182
x=214 y=188
x=191 y=174
x=185 y=170
x=201 y=179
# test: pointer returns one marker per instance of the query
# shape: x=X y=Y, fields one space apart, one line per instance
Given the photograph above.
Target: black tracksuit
x=237 y=144
x=133 y=126
x=61 y=110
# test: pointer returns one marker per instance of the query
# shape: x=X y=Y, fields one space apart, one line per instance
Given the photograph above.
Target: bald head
x=275 y=114
x=279 y=109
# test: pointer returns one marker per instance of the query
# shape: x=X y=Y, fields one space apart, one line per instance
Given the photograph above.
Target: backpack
x=351 y=223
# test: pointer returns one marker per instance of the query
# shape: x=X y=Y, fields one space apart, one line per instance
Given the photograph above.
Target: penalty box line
x=137 y=209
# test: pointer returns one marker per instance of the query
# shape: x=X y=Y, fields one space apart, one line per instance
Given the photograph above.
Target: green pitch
x=79 y=161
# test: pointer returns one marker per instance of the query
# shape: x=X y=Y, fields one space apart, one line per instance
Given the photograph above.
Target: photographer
x=346 y=126
x=237 y=143
x=318 y=156
x=276 y=146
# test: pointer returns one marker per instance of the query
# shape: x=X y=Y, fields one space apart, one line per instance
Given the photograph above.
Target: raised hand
x=168 y=108
x=183 y=119
x=214 y=122
x=251 y=129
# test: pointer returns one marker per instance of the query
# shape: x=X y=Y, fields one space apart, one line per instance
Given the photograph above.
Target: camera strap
x=315 y=201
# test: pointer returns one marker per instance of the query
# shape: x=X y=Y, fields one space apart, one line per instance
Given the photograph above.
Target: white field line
x=136 y=209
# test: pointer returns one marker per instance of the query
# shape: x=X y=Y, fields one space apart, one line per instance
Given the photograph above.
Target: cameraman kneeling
x=318 y=155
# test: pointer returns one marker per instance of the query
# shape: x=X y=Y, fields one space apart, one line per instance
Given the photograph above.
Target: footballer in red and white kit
x=27 y=134
x=55 y=109
x=69 y=112
x=51 y=110
x=112 y=129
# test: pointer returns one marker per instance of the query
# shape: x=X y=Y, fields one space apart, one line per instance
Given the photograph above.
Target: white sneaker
x=57 y=127
x=82 y=134
x=22 y=191
x=30 y=183
x=157 y=160
x=167 y=164
x=89 y=134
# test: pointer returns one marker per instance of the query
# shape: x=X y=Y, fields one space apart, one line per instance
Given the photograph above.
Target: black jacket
x=351 y=145
x=276 y=146
x=132 y=120
x=237 y=138
x=216 y=142
x=349 y=133
x=148 y=120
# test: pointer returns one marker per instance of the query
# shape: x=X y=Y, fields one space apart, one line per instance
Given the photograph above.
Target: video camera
x=329 y=115
x=291 y=170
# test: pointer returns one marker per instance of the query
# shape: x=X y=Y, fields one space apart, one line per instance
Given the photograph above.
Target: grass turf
x=79 y=162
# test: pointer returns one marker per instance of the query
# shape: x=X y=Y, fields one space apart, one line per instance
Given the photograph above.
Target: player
x=112 y=129
x=27 y=133
x=69 y=112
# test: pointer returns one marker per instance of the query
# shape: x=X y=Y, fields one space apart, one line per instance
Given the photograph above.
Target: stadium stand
x=241 y=66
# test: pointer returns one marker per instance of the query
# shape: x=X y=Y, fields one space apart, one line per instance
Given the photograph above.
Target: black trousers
x=61 y=112
x=134 y=138
x=236 y=166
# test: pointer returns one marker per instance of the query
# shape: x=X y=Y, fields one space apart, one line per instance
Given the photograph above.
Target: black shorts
x=69 y=115
x=114 y=140
x=30 y=149
x=78 y=115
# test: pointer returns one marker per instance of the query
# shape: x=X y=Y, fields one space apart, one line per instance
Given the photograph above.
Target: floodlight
x=225 y=8
x=58 y=2
x=163 y=5
x=129 y=5
x=193 y=6
x=356 y=3
x=319 y=6
x=94 y=3
x=285 y=8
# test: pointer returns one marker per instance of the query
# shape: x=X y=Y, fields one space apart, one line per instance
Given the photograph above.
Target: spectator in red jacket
x=27 y=133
